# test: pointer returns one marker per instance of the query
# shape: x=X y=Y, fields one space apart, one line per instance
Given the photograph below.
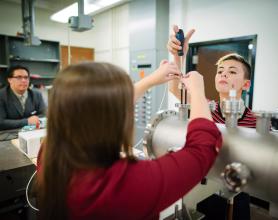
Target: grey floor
x=260 y=214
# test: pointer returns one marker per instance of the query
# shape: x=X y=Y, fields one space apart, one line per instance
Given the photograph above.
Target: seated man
x=233 y=72
x=20 y=105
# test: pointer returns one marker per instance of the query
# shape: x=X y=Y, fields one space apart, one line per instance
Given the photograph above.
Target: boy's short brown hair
x=237 y=57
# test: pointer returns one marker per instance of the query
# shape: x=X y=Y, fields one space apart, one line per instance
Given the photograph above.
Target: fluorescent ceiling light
x=90 y=6
x=63 y=15
x=104 y=3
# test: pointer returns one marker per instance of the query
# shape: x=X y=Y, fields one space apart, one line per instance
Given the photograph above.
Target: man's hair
x=237 y=57
x=10 y=71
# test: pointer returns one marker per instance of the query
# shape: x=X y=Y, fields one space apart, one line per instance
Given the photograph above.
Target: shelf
x=3 y=66
x=43 y=61
x=36 y=60
x=42 y=77
x=44 y=80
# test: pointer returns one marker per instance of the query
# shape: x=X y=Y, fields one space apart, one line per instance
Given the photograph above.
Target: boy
x=233 y=72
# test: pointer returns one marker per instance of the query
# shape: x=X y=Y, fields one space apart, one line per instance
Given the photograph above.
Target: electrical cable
x=26 y=192
x=160 y=106
x=138 y=143
x=163 y=98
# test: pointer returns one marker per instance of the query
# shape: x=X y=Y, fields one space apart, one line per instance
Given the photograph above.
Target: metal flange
x=150 y=128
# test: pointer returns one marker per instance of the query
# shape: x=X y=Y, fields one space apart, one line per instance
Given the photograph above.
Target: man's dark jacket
x=11 y=111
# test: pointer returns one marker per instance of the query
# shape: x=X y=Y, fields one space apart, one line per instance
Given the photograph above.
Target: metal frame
x=251 y=38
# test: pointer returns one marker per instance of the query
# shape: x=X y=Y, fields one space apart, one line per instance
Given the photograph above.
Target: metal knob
x=212 y=105
x=235 y=176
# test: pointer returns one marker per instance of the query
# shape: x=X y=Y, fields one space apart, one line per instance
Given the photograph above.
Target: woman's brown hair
x=90 y=121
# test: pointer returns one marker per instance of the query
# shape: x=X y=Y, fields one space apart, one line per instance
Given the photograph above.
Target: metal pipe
x=231 y=121
x=81 y=7
x=23 y=13
x=263 y=122
x=31 y=17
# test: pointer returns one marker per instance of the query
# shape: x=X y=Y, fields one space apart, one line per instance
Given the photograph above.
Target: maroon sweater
x=142 y=189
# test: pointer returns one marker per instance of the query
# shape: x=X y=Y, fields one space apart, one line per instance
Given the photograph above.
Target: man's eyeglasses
x=19 y=78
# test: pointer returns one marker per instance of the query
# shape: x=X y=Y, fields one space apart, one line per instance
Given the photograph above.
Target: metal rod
x=183 y=89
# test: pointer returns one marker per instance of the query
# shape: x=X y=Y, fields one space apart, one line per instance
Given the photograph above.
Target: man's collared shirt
x=22 y=98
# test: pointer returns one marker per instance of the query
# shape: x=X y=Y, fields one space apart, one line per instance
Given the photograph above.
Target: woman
x=86 y=169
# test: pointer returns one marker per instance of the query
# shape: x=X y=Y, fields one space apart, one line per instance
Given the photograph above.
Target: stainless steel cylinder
x=257 y=152
x=263 y=121
x=232 y=111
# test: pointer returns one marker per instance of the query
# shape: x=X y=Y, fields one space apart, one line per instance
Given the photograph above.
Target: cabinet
x=3 y=59
x=43 y=61
x=78 y=54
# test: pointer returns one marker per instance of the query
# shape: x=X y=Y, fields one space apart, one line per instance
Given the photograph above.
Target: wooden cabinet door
x=77 y=54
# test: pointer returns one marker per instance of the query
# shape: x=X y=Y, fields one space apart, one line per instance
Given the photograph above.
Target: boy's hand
x=173 y=44
x=194 y=83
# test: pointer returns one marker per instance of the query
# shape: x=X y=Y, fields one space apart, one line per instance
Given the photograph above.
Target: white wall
x=220 y=19
x=109 y=36
x=212 y=20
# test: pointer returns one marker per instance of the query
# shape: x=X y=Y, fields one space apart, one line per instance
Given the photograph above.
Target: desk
x=10 y=136
x=15 y=142
x=15 y=171
x=7 y=135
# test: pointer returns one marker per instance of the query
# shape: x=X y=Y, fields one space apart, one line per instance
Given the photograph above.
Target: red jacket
x=142 y=189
